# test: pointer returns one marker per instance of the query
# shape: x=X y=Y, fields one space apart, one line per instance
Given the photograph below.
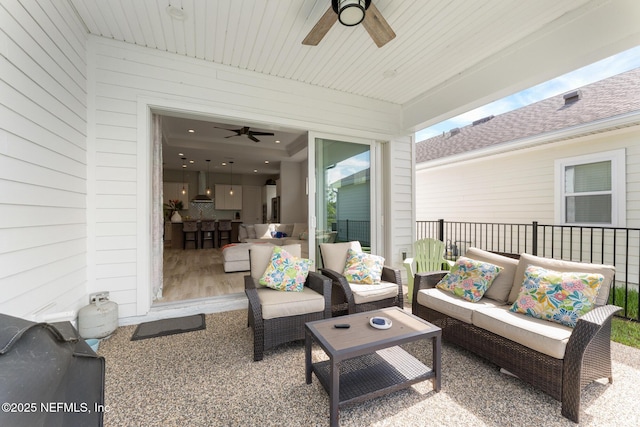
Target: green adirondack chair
x=428 y=255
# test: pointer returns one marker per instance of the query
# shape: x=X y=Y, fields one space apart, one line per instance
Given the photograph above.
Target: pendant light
x=231 y=187
x=208 y=190
x=184 y=166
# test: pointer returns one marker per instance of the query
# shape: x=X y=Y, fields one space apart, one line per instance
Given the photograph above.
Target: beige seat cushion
x=260 y=255
x=503 y=283
x=277 y=304
x=541 y=335
x=608 y=271
x=370 y=293
x=451 y=305
x=236 y=252
x=334 y=255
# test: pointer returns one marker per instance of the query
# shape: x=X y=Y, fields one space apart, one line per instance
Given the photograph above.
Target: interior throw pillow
x=469 y=278
x=285 y=272
x=363 y=268
x=559 y=297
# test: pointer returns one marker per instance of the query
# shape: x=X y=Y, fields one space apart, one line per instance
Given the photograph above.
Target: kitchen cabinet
x=226 y=201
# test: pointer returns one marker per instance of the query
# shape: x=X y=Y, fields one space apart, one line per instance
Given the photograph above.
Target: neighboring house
x=352 y=216
x=572 y=159
x=558 y=161
x=77 y=151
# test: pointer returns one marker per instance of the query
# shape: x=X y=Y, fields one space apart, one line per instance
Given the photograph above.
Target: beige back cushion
x=260 y=256
x=334 y=255
x=503 y=283
x=608 y=271
x=263 y=231
x=298 y=229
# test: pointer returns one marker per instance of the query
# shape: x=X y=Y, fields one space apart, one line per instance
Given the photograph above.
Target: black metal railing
x=603 y=245
x=349 y=230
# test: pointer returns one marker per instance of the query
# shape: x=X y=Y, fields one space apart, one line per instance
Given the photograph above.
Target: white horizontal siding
x=123 y=74
x=518 y=187
x=43 y=175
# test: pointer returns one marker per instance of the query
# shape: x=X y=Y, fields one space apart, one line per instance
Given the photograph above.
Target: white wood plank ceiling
x=436 y=39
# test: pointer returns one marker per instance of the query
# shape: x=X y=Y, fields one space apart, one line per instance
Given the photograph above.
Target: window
x=591 y=189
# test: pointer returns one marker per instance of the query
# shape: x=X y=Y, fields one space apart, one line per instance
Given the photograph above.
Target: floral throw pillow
x=559 y=297
x=469 y=279
x=363 y=268
x=285 y=272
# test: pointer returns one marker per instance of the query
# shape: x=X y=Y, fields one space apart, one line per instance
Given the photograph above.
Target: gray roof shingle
x=606 y=98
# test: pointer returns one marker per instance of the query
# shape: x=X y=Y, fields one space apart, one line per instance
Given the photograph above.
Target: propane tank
x=99 y=319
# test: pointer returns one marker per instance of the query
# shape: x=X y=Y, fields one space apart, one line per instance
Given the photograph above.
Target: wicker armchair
x=279 y=317
x=352 y=298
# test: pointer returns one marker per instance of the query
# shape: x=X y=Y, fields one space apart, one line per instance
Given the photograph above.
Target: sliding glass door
x=343 y=193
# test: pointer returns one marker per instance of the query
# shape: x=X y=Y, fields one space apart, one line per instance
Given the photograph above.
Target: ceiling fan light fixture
x=351 y=12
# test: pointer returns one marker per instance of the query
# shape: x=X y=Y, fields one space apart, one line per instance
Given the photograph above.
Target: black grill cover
x=49 y=376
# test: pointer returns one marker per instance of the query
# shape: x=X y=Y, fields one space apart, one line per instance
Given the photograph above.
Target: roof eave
x=596 y=126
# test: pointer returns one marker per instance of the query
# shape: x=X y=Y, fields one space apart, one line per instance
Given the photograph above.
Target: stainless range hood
x=202 y=189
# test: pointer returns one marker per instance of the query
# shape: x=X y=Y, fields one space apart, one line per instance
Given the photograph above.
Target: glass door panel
x=343 y=192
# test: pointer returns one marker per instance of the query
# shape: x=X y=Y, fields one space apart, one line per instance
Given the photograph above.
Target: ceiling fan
x=246 y=131
x=350 y=13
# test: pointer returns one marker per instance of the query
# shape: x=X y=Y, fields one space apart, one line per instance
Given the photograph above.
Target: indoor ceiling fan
x=246 y=131
x=350 y=13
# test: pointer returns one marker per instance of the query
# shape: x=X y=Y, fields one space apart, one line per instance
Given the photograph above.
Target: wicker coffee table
x=365 y=362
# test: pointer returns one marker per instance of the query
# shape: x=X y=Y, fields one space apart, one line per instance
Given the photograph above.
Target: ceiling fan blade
x=237 y=131
x=377 y=27
x=321 y=28
x=261 y=133
x=253 y=138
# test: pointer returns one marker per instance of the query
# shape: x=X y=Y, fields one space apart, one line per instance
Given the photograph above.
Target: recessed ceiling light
x=192 y=161
x=184 y=166
x=176 y=13
x=266 y=162
x=277 y=141
x=191 y=131
x=255 y=171
x=224 y=163
x=180 y=154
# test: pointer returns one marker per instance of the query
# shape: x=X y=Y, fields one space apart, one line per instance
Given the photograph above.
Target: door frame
x=375 y=189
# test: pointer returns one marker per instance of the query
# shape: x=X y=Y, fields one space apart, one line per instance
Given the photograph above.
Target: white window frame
x=618 y=186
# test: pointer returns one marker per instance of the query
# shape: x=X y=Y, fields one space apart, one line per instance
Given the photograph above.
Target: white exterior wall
x=517 y=186
x=43 y=172
x=400 y=215
x=124 y=80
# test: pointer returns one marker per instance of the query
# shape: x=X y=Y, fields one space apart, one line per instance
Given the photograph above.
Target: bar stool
x=224 y=226
x=190 y=233
x=207 y=232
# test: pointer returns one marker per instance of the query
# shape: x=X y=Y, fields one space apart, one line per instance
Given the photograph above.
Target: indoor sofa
x=276 y=234
x=557 y=359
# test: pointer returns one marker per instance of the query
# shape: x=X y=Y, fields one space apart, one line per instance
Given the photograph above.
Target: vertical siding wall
x=43 y=175
x=125 y=77
x=399 y=187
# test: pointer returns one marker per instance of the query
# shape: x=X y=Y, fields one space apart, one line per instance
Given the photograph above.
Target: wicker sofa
x=554 y=358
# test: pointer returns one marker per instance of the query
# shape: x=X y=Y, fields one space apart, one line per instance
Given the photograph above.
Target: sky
x=608 y=67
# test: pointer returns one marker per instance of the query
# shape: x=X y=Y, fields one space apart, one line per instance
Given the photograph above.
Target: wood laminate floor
x=193 y=274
